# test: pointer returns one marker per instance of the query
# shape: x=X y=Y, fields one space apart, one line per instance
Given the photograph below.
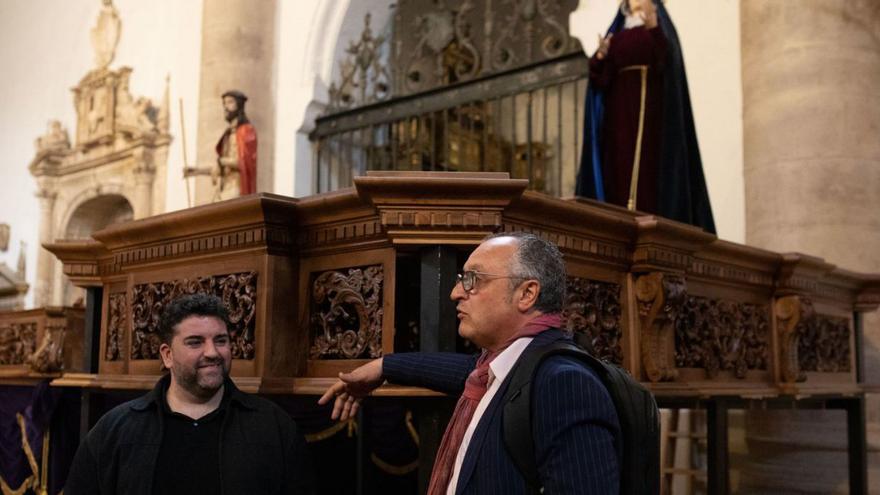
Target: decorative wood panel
x=117 y=321
x=593 y=308
x=346 y=313
x=237 y=290
x=824 y=345
x=18 y=341
x=719 y=335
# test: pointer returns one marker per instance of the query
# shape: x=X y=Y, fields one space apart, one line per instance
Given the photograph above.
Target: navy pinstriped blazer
x=574 y=424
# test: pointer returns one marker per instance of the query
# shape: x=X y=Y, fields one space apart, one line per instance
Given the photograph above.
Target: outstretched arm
x=441 y=371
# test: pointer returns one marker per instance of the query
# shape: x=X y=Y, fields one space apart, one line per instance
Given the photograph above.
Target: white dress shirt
x=498 y=370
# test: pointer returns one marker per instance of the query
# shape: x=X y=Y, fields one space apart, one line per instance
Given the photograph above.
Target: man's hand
x=604 y=45
x=352 y=388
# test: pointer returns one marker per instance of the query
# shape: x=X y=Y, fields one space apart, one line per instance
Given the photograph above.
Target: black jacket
x=261 y=450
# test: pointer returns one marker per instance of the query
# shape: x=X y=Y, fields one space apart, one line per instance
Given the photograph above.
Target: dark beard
x=230 y=116
x=190 y=381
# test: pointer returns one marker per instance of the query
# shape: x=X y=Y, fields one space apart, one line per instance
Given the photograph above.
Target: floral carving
x=238 y=291
x=17 y=342
x=346 y=313
x=824 y=345
x=719 y=335
x=117 y=316
x=593 y=308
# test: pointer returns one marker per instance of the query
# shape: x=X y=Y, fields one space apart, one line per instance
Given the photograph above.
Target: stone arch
x=87 y=216
x=325 y=47
x=97 y=213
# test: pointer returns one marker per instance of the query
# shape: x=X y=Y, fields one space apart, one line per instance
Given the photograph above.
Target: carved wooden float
x=318 y=284
x=40 y=343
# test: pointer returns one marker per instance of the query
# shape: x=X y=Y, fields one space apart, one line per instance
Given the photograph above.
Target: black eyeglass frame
x=468 y=278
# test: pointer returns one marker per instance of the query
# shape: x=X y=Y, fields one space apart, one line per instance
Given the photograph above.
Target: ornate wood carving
x=792 y=315
x=824 y=345
x=659 y=298
x=593 y=308
x=237 y=290
x=719 y=335
x=346 y=313
x=116 y=325
x=17 y=342
x=49 y=356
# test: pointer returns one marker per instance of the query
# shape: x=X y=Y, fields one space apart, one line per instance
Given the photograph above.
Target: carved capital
x=792 y=314
x=659 y=297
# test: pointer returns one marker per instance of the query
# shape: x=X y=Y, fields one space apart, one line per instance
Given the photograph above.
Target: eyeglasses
x=468 y=279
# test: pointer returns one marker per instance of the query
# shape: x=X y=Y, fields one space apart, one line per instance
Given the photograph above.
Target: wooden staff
x=185 y=161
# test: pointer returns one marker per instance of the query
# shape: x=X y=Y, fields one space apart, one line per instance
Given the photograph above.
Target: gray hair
x=539 y=260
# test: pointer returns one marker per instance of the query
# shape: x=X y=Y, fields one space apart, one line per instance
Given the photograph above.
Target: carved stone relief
x=719 y=335
x=593 y=308
x=824 y=345
x=17 y=342
x=346 y=313
x=237 y=290
x=659 y=297
x=116 y=325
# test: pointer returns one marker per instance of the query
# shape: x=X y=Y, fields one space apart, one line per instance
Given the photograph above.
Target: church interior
x=326 y=166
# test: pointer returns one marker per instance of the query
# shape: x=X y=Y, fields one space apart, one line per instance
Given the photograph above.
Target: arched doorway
x=90 y=216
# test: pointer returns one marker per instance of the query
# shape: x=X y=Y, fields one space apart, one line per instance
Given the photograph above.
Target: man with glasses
x=509 y=297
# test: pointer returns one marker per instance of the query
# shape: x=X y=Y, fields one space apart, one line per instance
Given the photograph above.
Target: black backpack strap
x=517 y=414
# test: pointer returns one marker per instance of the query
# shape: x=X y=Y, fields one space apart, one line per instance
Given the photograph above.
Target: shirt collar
x=502 y=364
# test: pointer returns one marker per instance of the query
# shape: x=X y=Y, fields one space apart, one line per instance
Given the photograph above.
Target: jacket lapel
x=492 y=416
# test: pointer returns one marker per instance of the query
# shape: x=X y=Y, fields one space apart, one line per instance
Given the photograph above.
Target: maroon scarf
x=474 y=389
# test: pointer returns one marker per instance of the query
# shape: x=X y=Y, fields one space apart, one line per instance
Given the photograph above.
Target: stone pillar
x=811 y=114
x=45 y=259
x=144 y=174
x=238 y=52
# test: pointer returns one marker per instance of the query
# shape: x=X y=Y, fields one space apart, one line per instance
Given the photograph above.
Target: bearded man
x=195 y=432
x=237 y=147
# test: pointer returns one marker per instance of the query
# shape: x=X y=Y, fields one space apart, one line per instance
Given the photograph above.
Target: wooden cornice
x=85 y=261
x=667 y=245
x=225 y=216
x=439 y=207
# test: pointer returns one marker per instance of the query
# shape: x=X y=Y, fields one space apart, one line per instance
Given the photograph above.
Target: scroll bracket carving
x=792 y=312
x=659 y=296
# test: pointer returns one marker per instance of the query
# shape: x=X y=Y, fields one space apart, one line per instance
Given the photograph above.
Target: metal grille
x=528 y=122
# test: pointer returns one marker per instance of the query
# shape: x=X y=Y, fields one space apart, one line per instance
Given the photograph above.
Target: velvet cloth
x=36 y=405
x=679 y=186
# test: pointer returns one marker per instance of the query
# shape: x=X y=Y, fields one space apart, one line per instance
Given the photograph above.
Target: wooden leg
x=718 y=459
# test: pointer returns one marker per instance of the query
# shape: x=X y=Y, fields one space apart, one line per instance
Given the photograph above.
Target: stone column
x=811 y=115
x=45 y=259
x=144 y=174
x=238 y=52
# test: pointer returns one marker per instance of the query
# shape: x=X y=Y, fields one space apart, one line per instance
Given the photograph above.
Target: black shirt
x=189 y=457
